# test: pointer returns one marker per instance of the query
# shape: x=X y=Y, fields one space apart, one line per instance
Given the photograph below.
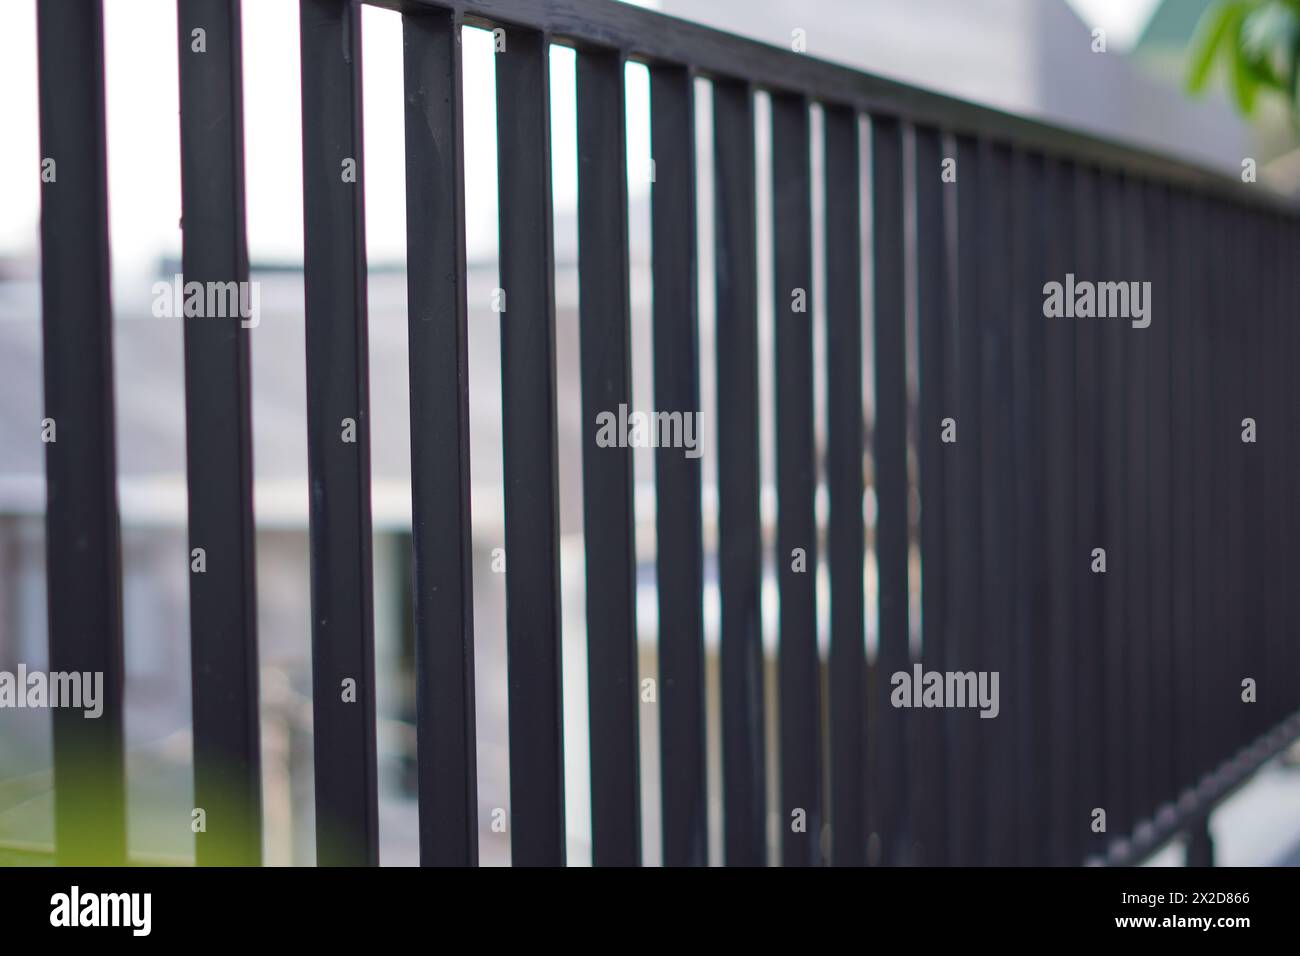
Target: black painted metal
x=607 y=471
x=936 y=335
x=1001 y=514
x=1290 y=429
x=218 y=430
x=1135 y=543
x=1277 y=473
x=966 y=787
x=1206 y=234
x=1219 y=451
x=1116 y=509
x=739 y=539
x=1180 y=342
x=1164 y=658
x=1089 y=791
x=844 y=479
x=652 y=37
x=1200 y=845
x=1065 y=562
x=1269 y=497
x=528 y=401
x=889 y=456
x=440 y=482
x=338 y=436
x=678 y=519
x=1029 y=656
x=82 y=550
x=796 y=481
x=1240 y=323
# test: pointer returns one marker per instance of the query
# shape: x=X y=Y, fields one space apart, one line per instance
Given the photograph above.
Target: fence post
x=82 y=549
x=338 y=436
x=219 y=443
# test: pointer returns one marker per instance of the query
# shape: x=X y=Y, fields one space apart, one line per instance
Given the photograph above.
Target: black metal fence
x=1147 y=691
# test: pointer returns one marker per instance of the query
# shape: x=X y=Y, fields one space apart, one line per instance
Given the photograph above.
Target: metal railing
x=1124 y=688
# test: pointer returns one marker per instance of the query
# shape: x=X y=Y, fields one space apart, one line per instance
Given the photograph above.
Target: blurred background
x=1031 y=57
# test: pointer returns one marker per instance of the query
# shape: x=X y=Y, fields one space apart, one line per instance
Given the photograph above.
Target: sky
x=1122 y=20
x=143 y=144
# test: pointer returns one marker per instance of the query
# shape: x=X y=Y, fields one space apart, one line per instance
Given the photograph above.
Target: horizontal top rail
x=652 y=37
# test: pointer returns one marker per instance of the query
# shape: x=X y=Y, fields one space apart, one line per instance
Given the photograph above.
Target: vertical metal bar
x=219 y=454
x=1259 y=595
x=1236 y=642
x=1090 y=789
x=1166 y=308
x=82 y=549
x=740 y=542
x=1259 y=379
x=1227 y=436
x=528 y=403
x=1180 y=344
x=1290 y=351
x=1203 y=477
x=1252 y=593
x=1289 y=526
x=844 y=478
x=1029 y=633
x=1113 y=341
x=1222 y=438
x=796 y=482
x=606 y=357
x=1290 y=247
x=1269 y=502
x=1212 y=442
x=966 y=789
x=1256 y=592
x=934 y=347
x=954 y=796
x=1276 y=503
x=1286 y=505
x=889 y=456
x=1283 y=504
x=1064 y=551
x=1245 y=624
x=338 y=436
x=997 y=485
x=678 y=519
x=1259 y=544
x=1244 y=594
x=1266 y=500
x=440 y=469
x=1200 y=844
x=1136 y=432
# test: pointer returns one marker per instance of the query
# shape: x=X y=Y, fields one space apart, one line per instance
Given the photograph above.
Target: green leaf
x=1217 y=25
x=1293 y=76
x=1244 y=85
